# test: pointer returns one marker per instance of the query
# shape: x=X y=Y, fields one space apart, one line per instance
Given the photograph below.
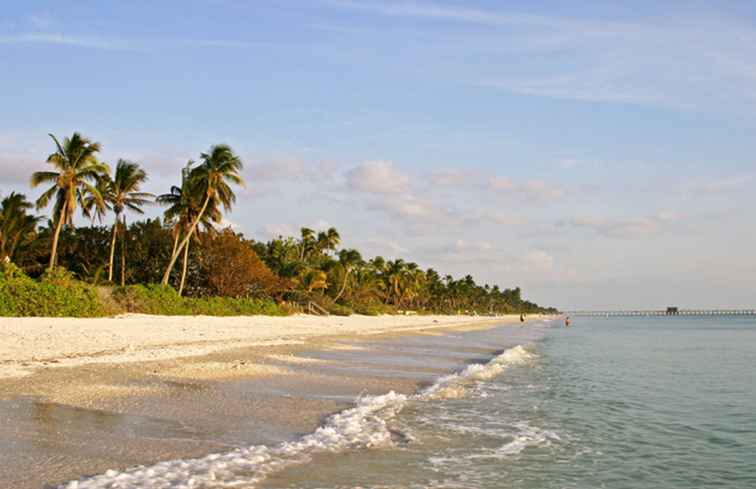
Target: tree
x=233 y=269
x=307 y=242
x=122 y=193
x=220 y=167
x=184 y=205
x=348 y=260
x=78 y=172
x=17 y=226
x=328 y=240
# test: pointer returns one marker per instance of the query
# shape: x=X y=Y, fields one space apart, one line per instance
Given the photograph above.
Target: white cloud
x=407 y=207
x=290 y=169
x=538 y=261
x=535 y=191
x=451 y=177
x=64 y=39
x=625 y=227
x=377 y=177
x=94 y=42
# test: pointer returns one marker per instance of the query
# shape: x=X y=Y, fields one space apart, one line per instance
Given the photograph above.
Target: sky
x=596 y=154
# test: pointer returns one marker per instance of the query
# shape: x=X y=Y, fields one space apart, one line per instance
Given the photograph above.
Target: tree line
x=213 y=261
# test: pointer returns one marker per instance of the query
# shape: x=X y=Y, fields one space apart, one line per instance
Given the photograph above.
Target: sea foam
x=365 y=425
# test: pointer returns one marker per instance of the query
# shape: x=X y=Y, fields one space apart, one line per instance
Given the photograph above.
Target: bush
x=373 y=309
x=57 y=294
x=164 y=300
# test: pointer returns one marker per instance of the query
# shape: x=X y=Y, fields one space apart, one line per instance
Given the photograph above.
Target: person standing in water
x=567 y=322
x=522 y=318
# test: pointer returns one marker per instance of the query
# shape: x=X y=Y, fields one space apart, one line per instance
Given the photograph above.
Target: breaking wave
x=363 y=426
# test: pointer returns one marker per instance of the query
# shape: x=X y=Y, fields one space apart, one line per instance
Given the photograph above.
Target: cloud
x=538 y=261
x=406 y=207
x=535 y=191
x=61 y=39
x=724 y=184
x=440 y=12
x=501 y=183
x=451 y=177
x=65 y=40
x=656 y=61
x=377 y=177
x=290 y=169
x=273 y=231
x=625 y=227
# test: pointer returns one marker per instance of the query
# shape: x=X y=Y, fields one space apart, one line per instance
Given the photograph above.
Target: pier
x=670 y=311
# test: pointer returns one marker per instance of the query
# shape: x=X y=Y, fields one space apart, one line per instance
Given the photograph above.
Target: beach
x=81 y=397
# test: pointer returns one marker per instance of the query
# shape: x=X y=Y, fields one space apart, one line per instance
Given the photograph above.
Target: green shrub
x=373 y=309
x=164 y=300
x=57 y=294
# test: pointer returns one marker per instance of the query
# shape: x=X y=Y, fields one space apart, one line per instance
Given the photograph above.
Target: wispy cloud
x=693 y=60
x=64 y=39
x=625 y=227
x=60 y=39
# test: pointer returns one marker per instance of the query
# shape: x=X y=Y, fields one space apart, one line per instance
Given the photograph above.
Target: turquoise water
x=609 y=403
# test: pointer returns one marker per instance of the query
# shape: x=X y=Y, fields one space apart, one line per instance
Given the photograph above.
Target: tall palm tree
x=73 y=182
x=17 y=226
x=184 y=204
x=306 y=243
x=348 y=260
x=219 y=168
x=122 y=193
x=328 y=240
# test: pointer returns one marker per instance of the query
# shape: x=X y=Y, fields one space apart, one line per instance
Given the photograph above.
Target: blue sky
x=598 y=154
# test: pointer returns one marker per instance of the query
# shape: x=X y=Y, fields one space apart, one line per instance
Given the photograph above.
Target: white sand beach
x=27 y=344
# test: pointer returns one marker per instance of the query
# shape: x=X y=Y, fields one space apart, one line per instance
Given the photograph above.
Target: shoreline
x=29 y=344
x=87 y=418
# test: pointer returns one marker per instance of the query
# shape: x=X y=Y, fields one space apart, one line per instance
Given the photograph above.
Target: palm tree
x=394 y=274
x=17 y=227
x=122 y=193
x=74 y=182
x=184 y=204
x=220 y=167
x=328 y=240
x=306 y=243
x=348 y=260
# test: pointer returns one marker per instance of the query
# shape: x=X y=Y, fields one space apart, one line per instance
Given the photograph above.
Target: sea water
x=610 y=402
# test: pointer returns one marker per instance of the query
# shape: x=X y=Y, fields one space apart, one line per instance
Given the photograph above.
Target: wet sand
x=64 y=423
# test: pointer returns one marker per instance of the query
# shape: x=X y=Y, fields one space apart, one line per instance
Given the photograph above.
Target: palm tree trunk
x=176 y=240
x=58 y=227
x=343 y=286
x=183 y=272
x=112 y=249
x=186 y=239
x=123 y=254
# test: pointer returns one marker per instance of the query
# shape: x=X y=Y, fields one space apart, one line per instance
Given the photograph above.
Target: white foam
x=363 y=426
x=477 y=371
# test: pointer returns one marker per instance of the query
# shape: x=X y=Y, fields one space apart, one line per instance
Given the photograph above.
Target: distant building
x=673 y=311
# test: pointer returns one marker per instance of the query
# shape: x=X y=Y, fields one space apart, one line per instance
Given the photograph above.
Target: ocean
x=667 y=402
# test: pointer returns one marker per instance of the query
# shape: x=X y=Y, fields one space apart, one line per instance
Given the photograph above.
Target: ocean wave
x=363 y=426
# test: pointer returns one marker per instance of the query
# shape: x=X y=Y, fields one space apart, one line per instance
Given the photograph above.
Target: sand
x=28 y=344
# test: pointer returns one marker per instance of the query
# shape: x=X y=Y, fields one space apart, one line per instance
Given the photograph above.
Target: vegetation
x=52 y=267
x=159 y=299
x=56 y=294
